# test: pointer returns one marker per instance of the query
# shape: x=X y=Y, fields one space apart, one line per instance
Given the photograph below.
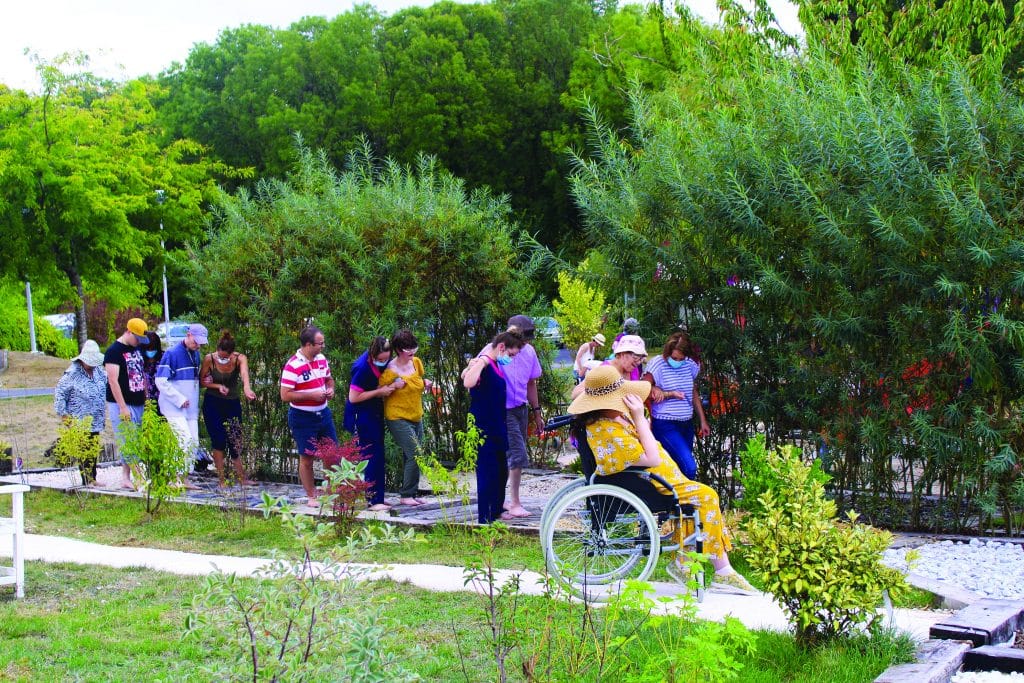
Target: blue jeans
x=309 y=427
x=676 y=436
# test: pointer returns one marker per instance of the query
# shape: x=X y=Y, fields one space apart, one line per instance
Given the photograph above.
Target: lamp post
x=161 y=196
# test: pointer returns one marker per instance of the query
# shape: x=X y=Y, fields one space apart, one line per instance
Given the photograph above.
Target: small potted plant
x=6 y=457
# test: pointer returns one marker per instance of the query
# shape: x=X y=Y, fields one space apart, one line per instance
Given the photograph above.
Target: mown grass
x=102 y=624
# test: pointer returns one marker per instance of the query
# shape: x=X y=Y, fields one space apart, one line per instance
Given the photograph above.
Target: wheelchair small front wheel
x=595 y=538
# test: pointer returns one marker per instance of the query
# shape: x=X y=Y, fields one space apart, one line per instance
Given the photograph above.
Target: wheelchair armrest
x=646 y=474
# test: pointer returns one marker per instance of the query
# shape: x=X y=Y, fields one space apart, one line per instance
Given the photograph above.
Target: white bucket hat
x=90 y=354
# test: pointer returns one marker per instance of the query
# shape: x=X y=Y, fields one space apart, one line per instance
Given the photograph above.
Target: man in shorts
x=126 y=388
x=307 y=386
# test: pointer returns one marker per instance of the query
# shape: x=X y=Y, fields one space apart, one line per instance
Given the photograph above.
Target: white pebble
x=985 y=677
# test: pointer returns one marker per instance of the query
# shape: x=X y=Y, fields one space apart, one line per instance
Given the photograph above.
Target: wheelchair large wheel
x=598 y=537
x=559 y=494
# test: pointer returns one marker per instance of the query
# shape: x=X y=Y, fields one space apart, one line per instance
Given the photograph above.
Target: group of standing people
x=135 y=370
x=385 y=393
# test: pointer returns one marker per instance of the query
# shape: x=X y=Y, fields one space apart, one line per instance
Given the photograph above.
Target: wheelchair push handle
x=557 y=422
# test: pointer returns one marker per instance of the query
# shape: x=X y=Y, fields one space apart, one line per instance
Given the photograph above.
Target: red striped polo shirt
x=301 y=374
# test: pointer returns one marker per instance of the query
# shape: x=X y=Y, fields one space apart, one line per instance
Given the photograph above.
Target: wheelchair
x=597 y=532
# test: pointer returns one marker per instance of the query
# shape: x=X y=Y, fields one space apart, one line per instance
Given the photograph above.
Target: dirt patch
x=30 y=426
x=32 y=370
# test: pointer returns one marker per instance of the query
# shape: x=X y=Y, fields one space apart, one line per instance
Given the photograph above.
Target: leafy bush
x=851 y=271
x=344 y=464
x=579 y=309
x=359 y=252
x=827 y=575
x=759 y=477
x=155 y=446
x=76 y=445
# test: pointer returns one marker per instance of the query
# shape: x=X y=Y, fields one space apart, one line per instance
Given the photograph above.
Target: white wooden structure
x=15 y=527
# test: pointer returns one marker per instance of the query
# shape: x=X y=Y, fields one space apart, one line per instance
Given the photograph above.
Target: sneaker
x=678 y=572
x=734 y=580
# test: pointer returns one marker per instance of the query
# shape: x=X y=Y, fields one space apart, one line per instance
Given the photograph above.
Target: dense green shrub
x=360 y=252
x=844 y=244
x=827 y=575
x=759 y=476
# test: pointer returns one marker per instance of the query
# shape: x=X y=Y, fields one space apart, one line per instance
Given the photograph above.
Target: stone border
x=965 y=640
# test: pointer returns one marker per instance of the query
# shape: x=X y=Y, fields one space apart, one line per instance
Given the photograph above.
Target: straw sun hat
x=604 y=389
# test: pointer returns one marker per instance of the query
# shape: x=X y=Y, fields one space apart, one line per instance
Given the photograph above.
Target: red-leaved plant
x=343 y=467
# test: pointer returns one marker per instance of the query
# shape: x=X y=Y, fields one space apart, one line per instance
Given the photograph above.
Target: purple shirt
x=518 y=373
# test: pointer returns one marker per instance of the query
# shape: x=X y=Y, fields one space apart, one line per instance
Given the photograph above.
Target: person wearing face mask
x=629 y=354
x=150 y=361
x=675 y=401
x=485 y=379
x=403 y=408
x=177 y=377
x=222 y=404
x=364 y=415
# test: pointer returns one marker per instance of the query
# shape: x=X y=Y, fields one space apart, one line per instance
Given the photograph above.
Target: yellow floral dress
x=616 y=446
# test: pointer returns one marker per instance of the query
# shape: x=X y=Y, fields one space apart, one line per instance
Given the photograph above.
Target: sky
x=130 y=38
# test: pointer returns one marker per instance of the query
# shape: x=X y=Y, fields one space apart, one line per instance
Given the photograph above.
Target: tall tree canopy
x=80 y=166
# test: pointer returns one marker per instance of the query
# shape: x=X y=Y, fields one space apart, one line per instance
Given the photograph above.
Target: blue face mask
x=504 y=359
x=151 y=354
x=380 y=363
x=676 y=364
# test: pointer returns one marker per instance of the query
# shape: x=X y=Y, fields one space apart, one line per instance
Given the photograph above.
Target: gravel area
x=991 y=568
x=985 y=677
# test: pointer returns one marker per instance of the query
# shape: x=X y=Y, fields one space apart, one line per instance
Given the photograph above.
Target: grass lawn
x=100 y=624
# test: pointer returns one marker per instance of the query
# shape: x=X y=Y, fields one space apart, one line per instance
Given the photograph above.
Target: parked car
x=549 y=329
x=172 y=333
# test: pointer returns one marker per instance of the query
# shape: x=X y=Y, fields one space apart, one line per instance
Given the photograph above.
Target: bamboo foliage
x=844 y=243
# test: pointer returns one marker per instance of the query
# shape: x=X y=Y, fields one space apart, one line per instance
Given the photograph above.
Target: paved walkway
x=755 y=611
x=23 y=393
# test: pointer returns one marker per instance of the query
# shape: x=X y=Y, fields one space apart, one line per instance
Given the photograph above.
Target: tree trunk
x=81 y=329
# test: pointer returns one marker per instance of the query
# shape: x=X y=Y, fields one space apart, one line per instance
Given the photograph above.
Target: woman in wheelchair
x=611 y=410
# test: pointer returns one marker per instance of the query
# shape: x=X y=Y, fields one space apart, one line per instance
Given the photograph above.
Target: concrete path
x=755 y=611
x=22 y=393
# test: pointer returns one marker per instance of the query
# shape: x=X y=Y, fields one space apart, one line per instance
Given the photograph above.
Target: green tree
x=80 y=165
x=361 y=252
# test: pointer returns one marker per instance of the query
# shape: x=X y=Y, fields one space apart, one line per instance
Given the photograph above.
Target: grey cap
x=523 y=323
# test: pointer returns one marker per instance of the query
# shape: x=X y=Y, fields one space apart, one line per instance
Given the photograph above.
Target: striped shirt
x=668 y=378
x=301 y=374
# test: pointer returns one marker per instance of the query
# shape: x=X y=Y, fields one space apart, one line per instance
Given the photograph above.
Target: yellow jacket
x=405 y=403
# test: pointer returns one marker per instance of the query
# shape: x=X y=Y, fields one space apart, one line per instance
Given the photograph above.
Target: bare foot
x=518 y=511
x=127 y=484
x=411 y=502
x=189 y=486
x=379 y=507
x=506 y=516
